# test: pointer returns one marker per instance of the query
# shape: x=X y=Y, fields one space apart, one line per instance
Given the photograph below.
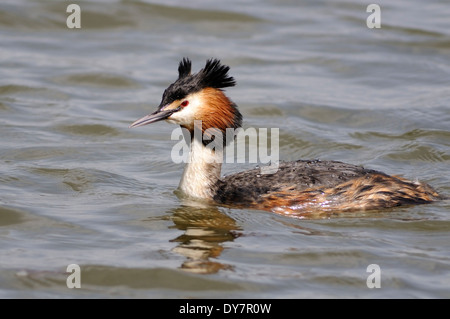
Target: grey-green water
x=77 y=186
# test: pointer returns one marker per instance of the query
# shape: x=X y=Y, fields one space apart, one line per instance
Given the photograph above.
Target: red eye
x=185 y=103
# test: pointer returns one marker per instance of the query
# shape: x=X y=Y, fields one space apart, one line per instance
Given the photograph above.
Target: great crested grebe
x=296 y=187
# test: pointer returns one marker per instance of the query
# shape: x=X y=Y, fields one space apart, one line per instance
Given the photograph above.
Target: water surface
x=77 y=186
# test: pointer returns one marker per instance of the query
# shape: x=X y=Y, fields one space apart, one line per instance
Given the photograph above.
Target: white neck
x=202 y=171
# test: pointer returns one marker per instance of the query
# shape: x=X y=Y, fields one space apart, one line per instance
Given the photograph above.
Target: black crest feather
x=184 y=69
x=215 y=75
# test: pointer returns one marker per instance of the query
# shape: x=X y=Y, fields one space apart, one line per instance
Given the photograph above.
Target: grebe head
x=197 y=97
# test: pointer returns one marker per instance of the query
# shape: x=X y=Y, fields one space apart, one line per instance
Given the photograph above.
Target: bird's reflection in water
x=206 y=229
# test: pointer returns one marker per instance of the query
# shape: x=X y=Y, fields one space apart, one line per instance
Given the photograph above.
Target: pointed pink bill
x=154 y=117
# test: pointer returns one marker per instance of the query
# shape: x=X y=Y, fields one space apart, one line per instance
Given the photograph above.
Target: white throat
x=202 y=171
